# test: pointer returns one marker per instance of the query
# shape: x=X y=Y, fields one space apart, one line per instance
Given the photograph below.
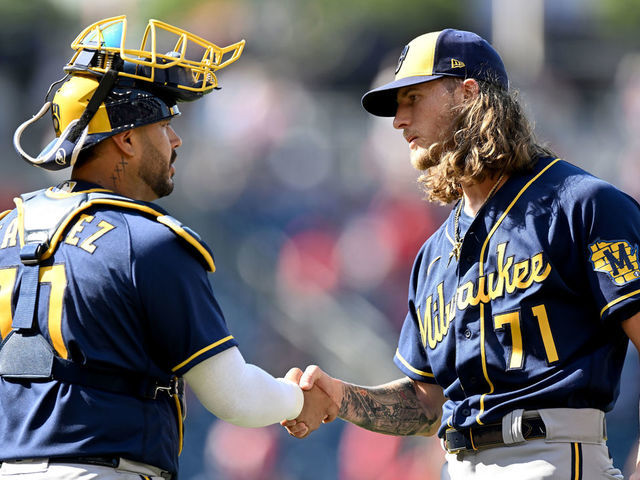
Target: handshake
x=322 y=399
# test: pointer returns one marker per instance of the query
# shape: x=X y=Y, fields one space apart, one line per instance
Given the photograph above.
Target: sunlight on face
x=156 y=167
x=425 y=115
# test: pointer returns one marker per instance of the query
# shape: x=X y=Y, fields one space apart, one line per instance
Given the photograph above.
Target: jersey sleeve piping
x=618 y=300
x=411 y=368
x=4 y=214
x=201 y=351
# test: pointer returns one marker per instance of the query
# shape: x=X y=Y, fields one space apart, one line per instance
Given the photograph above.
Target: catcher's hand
x=319 y=407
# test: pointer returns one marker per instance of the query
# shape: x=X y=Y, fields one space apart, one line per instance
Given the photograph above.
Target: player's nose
x=175 y=139
x=401 y=119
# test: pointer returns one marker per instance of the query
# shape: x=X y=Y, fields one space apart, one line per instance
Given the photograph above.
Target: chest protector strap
x=25 y=354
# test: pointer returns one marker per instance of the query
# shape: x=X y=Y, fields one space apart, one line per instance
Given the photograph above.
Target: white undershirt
x=241 y=393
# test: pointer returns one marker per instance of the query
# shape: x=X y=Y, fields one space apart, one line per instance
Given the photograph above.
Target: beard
x=155 y=171
x=423 y=159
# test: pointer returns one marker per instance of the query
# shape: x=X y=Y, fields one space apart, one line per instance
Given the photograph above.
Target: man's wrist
x=299 y=397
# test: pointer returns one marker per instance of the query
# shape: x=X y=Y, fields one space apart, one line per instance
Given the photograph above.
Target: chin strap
x=63 y=151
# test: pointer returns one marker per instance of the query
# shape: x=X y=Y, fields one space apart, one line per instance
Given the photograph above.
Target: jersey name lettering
x=88 y=243
x=434 y=328
x=508 y=277
x=10 y=235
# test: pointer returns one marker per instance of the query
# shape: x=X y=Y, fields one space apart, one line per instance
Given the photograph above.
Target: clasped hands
x=322 y=398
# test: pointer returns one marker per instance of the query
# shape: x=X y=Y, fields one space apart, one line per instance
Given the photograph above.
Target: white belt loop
x=512 y=427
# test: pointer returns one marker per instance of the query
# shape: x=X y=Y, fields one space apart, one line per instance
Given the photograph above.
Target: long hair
x=490 y=135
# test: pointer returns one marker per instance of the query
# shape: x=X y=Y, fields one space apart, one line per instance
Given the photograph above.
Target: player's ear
x=470 y=88
x=124 y=142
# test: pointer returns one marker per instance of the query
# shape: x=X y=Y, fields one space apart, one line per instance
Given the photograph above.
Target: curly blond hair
x=490 y=135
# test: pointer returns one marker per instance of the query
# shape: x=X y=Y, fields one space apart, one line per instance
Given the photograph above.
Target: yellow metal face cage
x=112 y=87
x=108 y=36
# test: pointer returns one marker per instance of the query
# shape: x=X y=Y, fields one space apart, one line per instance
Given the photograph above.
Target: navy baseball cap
x=448 y=53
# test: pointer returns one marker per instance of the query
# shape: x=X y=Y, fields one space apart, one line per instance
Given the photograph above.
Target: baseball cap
x=448 y=53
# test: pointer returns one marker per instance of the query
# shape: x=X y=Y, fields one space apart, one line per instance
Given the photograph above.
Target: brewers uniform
x=107 y=301
x=529 y=317
x=518 y=312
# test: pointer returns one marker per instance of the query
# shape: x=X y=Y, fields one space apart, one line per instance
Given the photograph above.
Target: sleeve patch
x=617 y=258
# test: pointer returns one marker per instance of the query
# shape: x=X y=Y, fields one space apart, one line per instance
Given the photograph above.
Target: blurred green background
x=310 y=205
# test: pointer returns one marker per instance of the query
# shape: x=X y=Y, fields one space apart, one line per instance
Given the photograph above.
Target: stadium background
x=310 y=204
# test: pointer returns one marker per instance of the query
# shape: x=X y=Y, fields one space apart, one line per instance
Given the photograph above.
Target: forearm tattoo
x=392 y=408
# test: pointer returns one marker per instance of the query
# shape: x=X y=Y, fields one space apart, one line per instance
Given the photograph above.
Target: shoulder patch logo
x=457 y=63
x=616 y=258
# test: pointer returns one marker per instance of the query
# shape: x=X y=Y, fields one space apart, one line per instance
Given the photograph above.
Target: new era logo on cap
x=450 y=52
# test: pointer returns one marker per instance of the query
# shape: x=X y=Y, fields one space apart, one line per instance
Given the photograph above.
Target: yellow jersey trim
x=168 y=221
x=483 y=355
x=160 y=217
x=506 y=212
x=49 y=192
x=201 y=351
x=617 y=300
x=481 y=273
x=433 y=263
x=179 y=414
x=414 y=370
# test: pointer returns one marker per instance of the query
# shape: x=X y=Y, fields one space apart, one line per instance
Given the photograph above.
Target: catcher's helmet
x=110 y=88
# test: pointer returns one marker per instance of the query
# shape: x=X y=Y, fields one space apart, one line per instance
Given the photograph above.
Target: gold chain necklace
x=457 y=240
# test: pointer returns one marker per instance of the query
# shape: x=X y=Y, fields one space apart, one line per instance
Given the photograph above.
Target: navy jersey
x=121 y=291
x=530 y=317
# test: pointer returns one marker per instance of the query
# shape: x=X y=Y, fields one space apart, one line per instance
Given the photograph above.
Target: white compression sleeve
x=242 y=393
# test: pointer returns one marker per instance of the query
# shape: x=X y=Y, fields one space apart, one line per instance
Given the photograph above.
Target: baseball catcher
x=105 y=304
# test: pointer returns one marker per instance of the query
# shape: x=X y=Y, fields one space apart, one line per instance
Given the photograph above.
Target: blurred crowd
x=310 y=205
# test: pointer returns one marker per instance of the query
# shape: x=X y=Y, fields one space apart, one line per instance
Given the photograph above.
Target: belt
x=101 y=461
x=485 y=436
x=97 y=460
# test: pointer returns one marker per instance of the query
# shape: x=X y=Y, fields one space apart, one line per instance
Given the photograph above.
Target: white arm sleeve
x=241 y=393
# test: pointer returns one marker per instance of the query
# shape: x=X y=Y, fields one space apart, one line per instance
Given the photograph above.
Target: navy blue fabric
x=25 y=310
x=566 y=256
x=135 y=298
x=481 y=61
x=458 y=53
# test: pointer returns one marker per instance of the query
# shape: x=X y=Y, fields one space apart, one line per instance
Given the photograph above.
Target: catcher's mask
x=110 y=88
